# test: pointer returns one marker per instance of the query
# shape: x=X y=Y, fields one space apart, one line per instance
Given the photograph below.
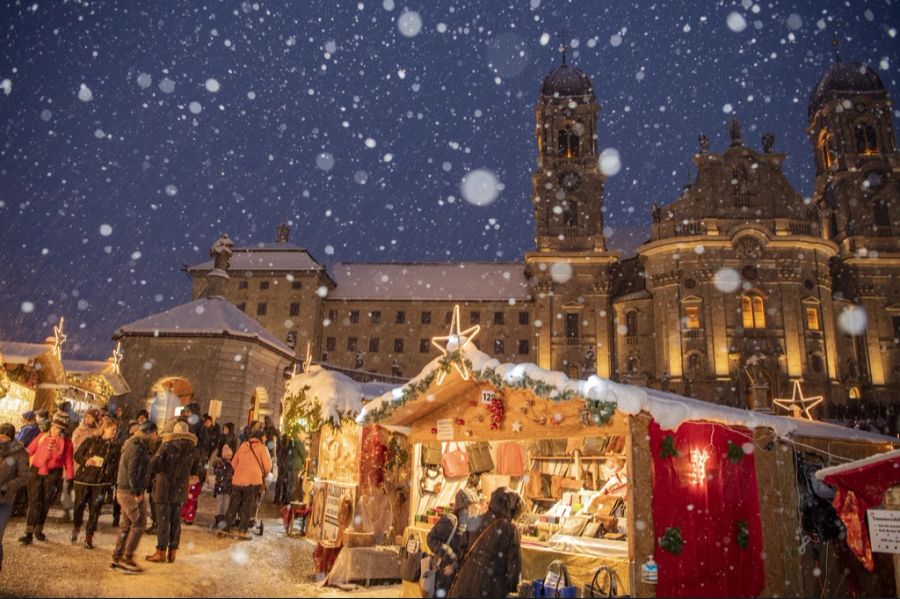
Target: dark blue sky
x=101 y=201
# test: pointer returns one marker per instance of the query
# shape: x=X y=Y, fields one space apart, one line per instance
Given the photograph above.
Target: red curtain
x=716 y=511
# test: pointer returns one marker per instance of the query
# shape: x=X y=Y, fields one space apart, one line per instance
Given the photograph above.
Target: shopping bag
x=455 y=463
x=431 y=454
x=556 y=582
x=411 y=559
x=510 y=459
x=596 y=588
x=479 y=457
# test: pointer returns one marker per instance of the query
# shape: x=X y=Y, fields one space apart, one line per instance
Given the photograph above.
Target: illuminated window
x=824 y=145
x=631 y=323
x=812 y=319
x=866 y=142
x=692 y=317
x=753 y=312
x=568 y=143
x=854 y=393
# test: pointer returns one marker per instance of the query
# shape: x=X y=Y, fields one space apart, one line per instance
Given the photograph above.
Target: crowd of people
x=145 y=474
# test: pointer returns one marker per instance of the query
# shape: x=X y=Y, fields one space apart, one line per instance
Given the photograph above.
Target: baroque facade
x=742 y=288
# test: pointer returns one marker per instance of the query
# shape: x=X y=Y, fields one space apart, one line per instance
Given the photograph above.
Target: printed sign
x=488 y=396
x=884 y=529
x=331 y=521
x=445 y=429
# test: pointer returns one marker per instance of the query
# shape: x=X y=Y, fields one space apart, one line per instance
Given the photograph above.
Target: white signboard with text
x=884 y=529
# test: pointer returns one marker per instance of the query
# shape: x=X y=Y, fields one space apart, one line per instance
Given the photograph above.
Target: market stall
x=359 y=476
x=30 y=374
x=612 y=474
x=91 y=384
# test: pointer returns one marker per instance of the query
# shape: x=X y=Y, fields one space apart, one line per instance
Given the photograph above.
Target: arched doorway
x=166 y=396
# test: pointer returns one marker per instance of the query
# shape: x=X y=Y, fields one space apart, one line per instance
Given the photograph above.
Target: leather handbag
x=431 y=454
x=479 y=457
x=431 y=481
x=557 y=582
x=596 y=588
x=411 y=559
x=455 y=463
x=510 y=459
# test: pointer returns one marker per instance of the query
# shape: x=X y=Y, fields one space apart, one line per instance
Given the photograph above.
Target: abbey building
x=742 y=289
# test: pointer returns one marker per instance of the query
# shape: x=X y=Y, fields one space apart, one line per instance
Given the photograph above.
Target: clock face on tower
x=570 y=180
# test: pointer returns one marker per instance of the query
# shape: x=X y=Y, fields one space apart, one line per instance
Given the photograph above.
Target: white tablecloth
x=364 y=564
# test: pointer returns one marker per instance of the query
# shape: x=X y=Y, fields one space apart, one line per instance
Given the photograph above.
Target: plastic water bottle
x=650 y=571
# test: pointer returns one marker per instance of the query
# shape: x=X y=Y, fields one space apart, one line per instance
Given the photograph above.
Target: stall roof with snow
x=338 y=395
x=422 y=396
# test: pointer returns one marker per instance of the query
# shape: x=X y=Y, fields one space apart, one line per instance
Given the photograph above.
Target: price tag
x=488 y=396
x=445 y=429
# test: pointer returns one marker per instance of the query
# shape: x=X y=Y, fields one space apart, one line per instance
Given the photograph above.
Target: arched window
x=824 y=148
x=568 y=142
x=882 y=214
x=866 y=142
x=631 y=323
x=695 y=362
x=753 y=312
x=570 y=214
x=816 y=362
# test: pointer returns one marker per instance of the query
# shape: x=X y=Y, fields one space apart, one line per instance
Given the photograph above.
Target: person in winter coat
x=51 y=462
x=291 y=463
x=224 y=473
x=98 y=461
x=89 y=427
x=131 y=484
x=13 y=475
x=493 y=563
x=448 y=540
x=252 y=463
x=173 y=467
x=29 y=429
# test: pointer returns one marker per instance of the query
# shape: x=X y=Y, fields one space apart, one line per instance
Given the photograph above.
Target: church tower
x=569 y=271
x=858 y=200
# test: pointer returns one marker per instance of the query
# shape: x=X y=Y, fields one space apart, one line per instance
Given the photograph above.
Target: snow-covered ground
x=269 y=566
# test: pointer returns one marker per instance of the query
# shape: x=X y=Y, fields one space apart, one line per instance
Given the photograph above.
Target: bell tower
x=567 y=186
x=569 y=269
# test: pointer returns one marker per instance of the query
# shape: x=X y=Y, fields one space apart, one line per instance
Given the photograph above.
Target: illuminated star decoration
x=117 y=358
x=58 y=338
x=456 y=341
x=802 y=404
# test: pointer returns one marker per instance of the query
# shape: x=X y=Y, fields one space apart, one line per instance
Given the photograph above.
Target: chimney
x=283 y=233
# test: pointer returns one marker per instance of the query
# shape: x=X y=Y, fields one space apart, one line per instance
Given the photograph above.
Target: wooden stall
x=615 y=475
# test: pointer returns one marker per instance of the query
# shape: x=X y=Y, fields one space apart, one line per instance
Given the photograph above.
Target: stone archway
x=166 y=396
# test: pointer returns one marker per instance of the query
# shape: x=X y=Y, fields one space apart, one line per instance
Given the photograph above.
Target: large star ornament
x=456 y=341
x=58 y=338
x=798 y=404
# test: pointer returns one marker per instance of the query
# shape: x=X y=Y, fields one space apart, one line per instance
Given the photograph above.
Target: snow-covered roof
x=97 y=368
x=441 y=281
x=338 y=395
x=668 y=409
x=870 y=461
x=205 y=316
x=15 y=352
x=277 y=256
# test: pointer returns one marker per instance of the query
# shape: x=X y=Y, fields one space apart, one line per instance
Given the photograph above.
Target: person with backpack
x=98 y=461
x=448 y=540
x=252 y=463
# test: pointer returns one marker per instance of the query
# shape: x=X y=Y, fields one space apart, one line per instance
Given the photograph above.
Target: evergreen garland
x=600 y=411
x=735 y=453
x=742 y=534
x=667 y=450
x=672 y=541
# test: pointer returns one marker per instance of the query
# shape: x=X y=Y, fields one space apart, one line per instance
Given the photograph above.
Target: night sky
x=135 y=132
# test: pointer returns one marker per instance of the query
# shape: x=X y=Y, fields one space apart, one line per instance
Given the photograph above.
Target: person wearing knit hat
x=52 y=461
x=89 y=427
x=449 y=539
x=223 y=471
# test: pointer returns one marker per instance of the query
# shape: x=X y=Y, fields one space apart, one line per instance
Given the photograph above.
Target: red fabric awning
x=860 y=486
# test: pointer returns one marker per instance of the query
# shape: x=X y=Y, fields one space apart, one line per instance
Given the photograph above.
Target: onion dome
x=844 y=79
x=566 y=81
